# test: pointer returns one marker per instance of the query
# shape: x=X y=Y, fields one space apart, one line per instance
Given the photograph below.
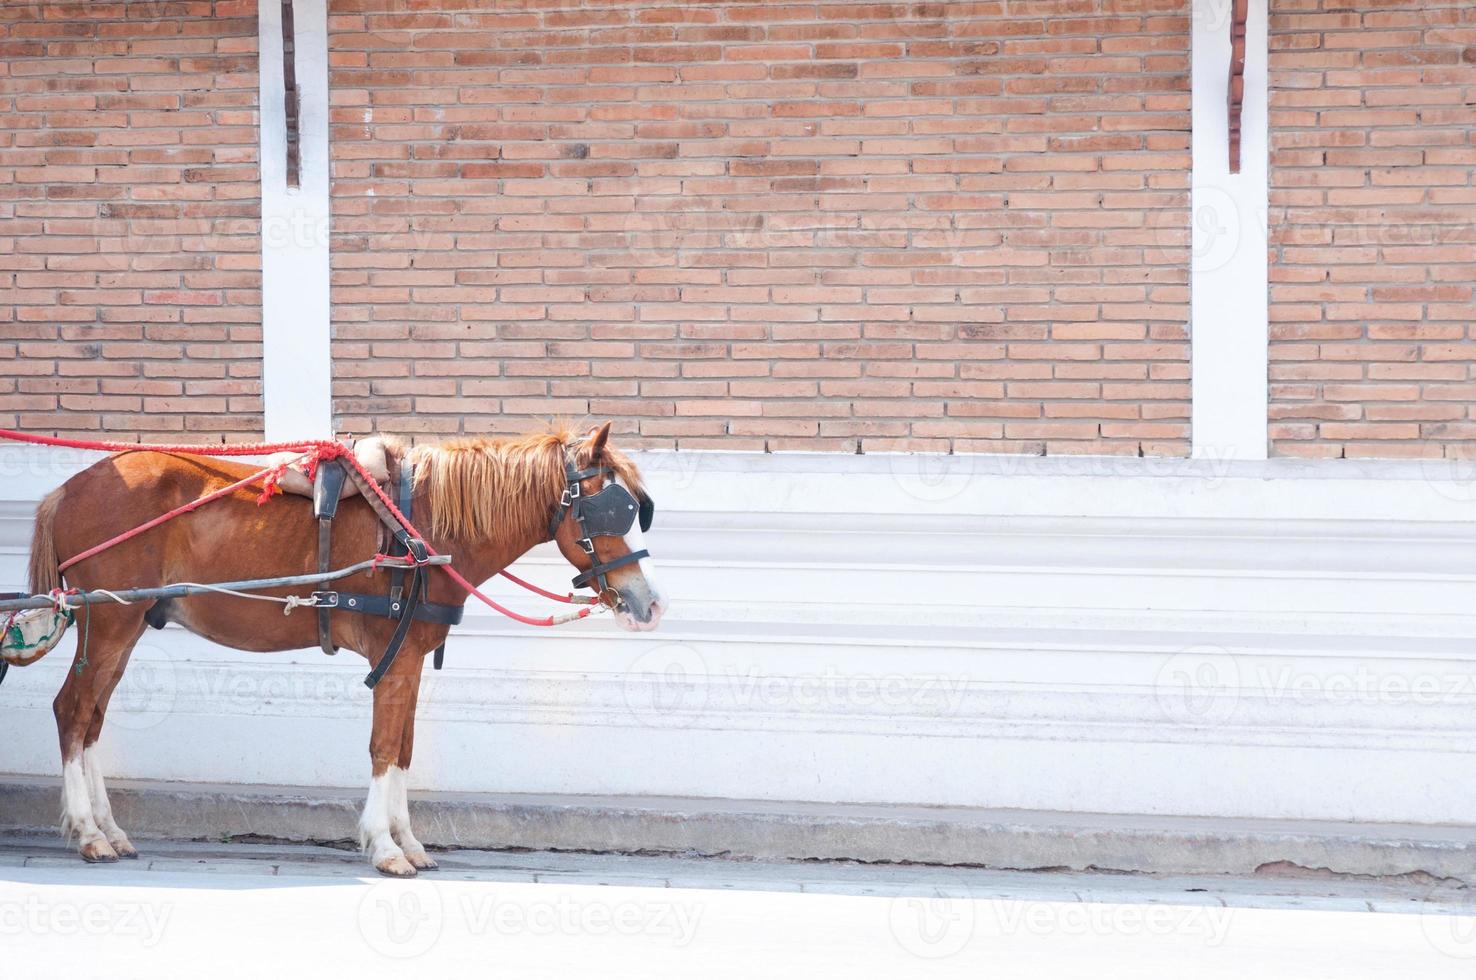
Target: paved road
x=258 y=910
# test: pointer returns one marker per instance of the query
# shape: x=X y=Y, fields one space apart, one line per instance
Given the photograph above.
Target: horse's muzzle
x=629 y=615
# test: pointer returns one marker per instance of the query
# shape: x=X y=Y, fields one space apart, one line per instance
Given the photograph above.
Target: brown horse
x=483 y=502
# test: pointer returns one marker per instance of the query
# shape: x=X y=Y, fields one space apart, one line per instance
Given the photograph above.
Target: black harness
x=404 y=602
x=608 y=513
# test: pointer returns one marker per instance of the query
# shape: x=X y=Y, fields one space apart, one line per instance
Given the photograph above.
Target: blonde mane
x=490 y=490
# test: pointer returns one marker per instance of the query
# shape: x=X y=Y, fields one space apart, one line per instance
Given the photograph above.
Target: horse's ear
x=595 y=444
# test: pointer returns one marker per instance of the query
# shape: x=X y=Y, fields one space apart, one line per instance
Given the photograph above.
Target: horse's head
x=598 y=525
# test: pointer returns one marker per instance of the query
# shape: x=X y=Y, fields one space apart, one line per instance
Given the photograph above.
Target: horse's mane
x=486 y=489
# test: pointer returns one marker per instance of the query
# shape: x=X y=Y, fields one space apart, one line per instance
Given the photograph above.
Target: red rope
x=328 y=448
x=568 y=597
x=316 y=450
x=119 y=539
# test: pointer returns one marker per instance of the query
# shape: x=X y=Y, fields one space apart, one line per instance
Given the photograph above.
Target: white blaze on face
x=636 y=541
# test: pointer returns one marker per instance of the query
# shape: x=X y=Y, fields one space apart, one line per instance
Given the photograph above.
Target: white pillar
x=295 y=363
x=1229 y=316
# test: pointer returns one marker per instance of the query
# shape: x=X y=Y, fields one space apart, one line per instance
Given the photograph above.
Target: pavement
x=269 y=909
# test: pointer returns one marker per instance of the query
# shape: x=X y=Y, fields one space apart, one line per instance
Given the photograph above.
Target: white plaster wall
x=1280 y=639
x=296 y=371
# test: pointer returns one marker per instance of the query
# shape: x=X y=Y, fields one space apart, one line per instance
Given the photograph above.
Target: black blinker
x=610 y=512
x=648 y=512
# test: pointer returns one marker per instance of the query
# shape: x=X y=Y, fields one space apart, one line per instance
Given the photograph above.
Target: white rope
x=559 y=619
x=291 y=602
x=61 y=600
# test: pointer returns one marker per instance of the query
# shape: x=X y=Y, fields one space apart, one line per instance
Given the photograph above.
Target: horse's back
x=125 y=490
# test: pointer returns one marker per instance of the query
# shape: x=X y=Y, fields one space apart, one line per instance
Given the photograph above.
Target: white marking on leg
x=400 y=820
x=374 y=824
x=102 y=808
x=76 y=817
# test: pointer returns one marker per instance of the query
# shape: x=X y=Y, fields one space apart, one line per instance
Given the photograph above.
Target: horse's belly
x=245 y=624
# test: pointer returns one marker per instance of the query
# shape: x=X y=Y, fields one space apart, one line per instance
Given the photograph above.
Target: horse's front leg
x=400 y=809
x=394 y=702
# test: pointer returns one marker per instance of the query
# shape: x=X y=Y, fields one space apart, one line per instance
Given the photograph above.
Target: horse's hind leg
x=102 y=808
x=103 y=645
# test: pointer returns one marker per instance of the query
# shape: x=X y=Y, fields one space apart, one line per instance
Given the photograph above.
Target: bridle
x=610 y=512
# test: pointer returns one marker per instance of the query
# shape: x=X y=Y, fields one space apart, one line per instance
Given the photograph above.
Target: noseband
x=607 y=513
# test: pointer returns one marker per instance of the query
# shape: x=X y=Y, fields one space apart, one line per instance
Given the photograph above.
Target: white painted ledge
x=1282 y=639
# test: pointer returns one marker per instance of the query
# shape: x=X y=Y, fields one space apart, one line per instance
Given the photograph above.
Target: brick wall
x=129 y=195
x=826 y=225
x=1373 y=227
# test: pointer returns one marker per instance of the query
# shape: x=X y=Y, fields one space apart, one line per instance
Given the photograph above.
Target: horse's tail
x=44 y=574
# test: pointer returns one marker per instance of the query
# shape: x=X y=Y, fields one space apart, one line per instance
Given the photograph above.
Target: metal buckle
x=325 y=600
x=572 y=489
x=588 y=546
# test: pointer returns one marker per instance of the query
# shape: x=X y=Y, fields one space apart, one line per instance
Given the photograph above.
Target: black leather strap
x=417 y=581
x=401 y=604
x=598 y=570
x=441 y=613
x=327 y=488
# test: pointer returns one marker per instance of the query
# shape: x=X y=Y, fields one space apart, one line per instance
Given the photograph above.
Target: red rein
x=314 y=451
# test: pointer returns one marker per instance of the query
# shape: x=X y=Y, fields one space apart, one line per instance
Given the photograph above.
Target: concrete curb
x=762 y=830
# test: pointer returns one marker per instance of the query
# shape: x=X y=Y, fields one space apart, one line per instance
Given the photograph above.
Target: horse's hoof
x=421 y=860
x=125 y=849
x=99 y=852
x=396 y=867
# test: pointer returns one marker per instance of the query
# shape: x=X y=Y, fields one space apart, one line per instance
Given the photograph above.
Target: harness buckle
x=588 y=546
x=325 y=600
